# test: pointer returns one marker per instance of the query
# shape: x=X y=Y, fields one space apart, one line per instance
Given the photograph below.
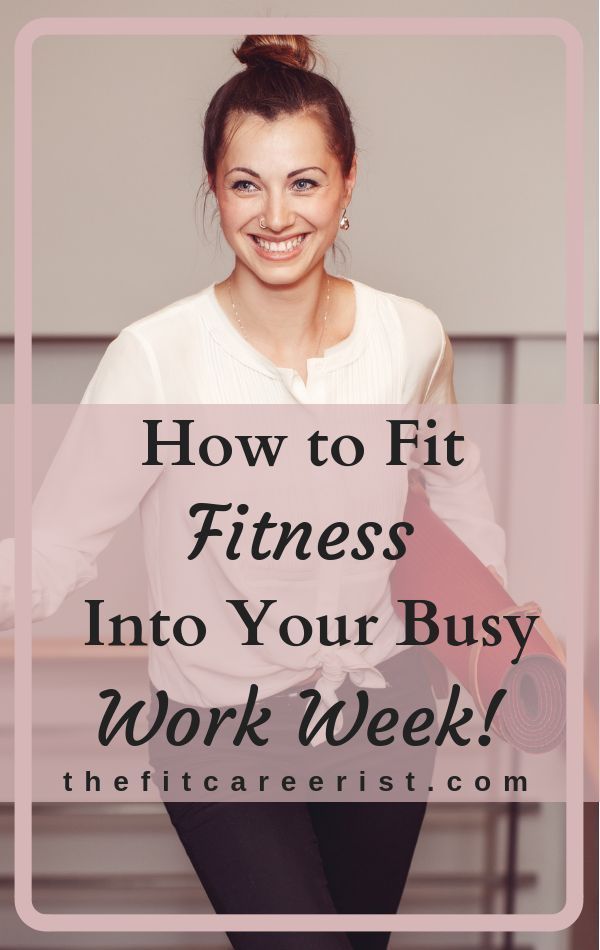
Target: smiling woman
x=282 y=173
x=280 y=160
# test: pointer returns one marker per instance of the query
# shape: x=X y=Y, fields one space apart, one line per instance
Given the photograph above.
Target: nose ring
x=261 y=225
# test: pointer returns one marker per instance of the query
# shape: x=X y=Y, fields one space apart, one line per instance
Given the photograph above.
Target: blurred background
x=460 y=203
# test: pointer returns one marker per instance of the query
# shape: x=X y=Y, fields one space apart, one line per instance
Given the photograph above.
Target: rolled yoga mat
x=439 y=567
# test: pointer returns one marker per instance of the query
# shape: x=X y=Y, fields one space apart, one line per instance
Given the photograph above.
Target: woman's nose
x=277 y=213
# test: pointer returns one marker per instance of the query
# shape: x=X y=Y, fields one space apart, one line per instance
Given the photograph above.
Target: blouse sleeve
x=127 y=373
x=459 y=494
x=94 y=483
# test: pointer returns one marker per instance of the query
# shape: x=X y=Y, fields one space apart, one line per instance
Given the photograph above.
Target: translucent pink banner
x=304 y=603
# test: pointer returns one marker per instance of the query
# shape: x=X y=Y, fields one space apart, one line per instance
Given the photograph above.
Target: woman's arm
x=459 y=495
x=94 y=483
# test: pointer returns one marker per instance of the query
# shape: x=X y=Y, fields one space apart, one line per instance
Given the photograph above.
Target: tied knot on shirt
x=335 y=663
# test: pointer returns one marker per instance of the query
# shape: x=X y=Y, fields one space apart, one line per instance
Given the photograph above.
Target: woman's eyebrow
x=246 y=171
x=298 y=171
x=309 y=168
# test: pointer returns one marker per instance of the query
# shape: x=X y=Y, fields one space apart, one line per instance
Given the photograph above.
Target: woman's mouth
x=278 y=250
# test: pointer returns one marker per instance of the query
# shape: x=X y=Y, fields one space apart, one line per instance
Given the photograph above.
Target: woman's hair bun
x=277 y=49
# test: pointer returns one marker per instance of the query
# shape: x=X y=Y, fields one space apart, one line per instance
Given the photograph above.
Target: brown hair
x=278 y=80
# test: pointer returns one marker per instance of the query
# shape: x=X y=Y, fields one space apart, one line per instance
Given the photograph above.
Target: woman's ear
x=350 y=182
x=212 y=190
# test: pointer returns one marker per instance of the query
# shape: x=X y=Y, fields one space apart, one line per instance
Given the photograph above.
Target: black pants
x=344 y=857
x=305 y=857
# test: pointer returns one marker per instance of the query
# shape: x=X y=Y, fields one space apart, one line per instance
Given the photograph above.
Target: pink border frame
x=344 y=26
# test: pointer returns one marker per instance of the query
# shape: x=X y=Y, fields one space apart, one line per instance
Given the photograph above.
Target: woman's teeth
x=279 y=245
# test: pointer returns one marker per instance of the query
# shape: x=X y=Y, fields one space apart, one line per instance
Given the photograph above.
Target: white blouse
x=190 y=353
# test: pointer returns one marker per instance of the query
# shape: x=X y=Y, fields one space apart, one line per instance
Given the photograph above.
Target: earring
x=344 y=221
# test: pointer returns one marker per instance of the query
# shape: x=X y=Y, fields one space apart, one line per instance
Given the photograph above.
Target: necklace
x=323 y=321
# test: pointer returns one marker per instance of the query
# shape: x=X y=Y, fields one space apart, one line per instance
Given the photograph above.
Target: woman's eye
x=305 y=184
x=244 y=186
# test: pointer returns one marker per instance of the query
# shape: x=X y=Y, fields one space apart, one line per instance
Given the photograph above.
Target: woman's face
x=283 y=173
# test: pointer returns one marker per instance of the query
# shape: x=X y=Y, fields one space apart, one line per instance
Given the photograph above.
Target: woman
x=280 y=159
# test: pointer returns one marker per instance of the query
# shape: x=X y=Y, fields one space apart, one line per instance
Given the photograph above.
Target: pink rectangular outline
x=344 y=26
